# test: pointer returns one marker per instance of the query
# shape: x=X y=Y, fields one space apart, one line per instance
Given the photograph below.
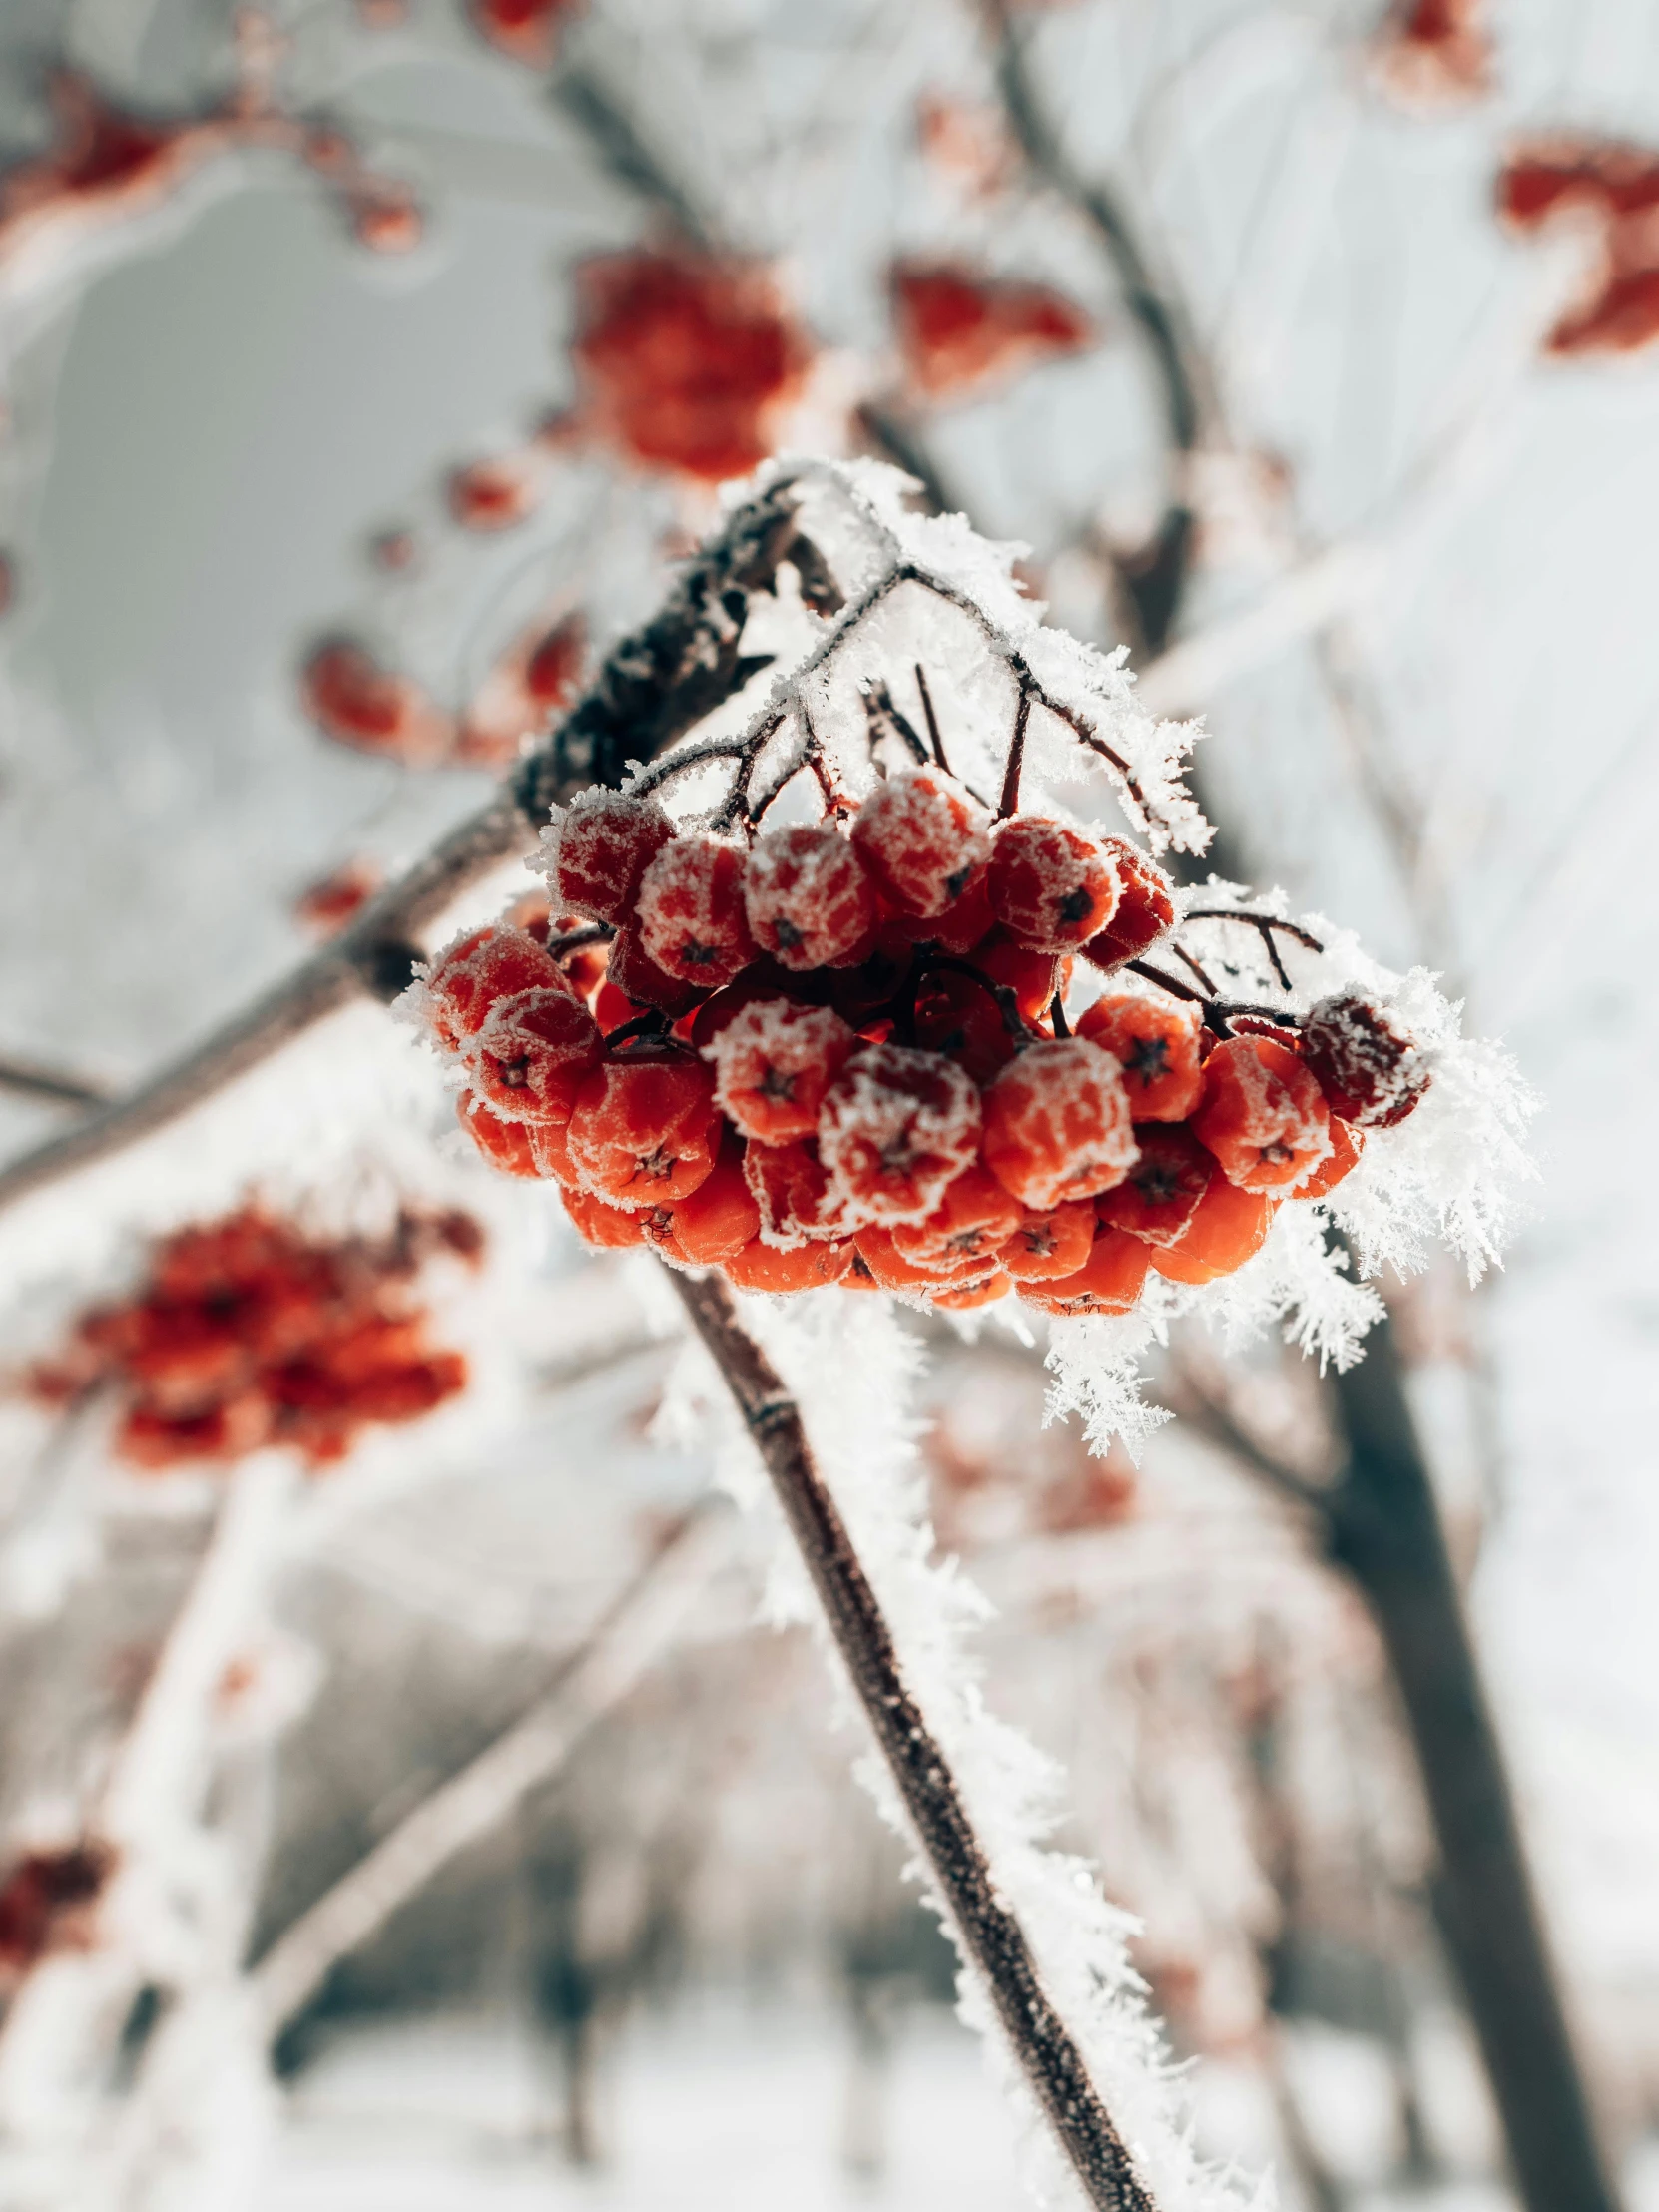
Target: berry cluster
x=1609 y=190
x=248 y=1333
x=839 y=1052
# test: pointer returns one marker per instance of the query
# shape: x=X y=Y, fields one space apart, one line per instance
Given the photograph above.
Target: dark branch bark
x=990 y=1937
x=655 y=684
x=34 y=1079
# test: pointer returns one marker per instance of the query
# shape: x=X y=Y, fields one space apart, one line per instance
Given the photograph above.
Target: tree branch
x=991 y=1937
x=653 y=685
x=34 y=1079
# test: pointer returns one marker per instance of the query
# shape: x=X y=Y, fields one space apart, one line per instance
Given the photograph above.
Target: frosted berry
x=1345 y=1147
x=690 y=913
x=636 y=978
x=645 y=1128
x=773 y=1062
x=1162 y=1191
x=959 y=1017
x=1035 y=978
x=504 y=1144
x=718 y=1219
x=894 y=1270
x=924 y=839
x=550 y=1149
x=1057 y=1124
x=1052 y=887
x=1262 y=1114
x=984 y=1293
x=534 y=1052
x=1145 y=907
x=806 y=898
x=792 y=1190
x=1051 y=1243
x=1110 y=1279
x=606 y=1226
x=468 y=976
x=595 y=851
x=1367 y=1063
x=762 y=1266
x=1156 y=1043
x=1229 y=1227
x=969 y=1226
x=959 y=928
x=896 y=1126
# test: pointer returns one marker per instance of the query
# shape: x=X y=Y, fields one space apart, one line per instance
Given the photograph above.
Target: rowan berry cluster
x=248 y=1333
x=839 y=1052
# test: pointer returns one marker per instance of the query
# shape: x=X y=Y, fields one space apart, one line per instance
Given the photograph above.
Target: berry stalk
x=989 y=1935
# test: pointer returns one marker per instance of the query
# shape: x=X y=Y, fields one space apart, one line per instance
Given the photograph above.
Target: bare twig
x=990 y=1937
x=627 y=1637
x=34 y=1079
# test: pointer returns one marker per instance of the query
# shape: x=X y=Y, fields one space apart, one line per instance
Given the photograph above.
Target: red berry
x=645 y=1128
x=1367 y=1063
x=718 y=1219
x=959 y=928
x=690 y=914
x=637 y=979
x=1162 y=1191
x=1345 y=1147
x=1110 y=1279
x=1262 y=1114
x=1050 y=885
x=970 y=1294
x=773 y=1061
x=1145 y=907
x=898 y=1270
x=762 y=1266
x=596 y=849
x=1057 y=1124
x=504 y=1144
x=1156 y=1043
x=607 y=1228
x=806 y=898
x=924 y=839
x=958 y=1016
x=1051 y=1244
x=1229 y=1227
x=533 y=1054
x=550 y=1149
x=968 y=1227
x=897 y=1127
x=1035 y=978
x=481 y=966
x=789 y=1186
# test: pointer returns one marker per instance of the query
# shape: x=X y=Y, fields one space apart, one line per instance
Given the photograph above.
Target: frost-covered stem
x=1386 y=1530
x=614 y=1655
x=653 y=685
x=991 y=1937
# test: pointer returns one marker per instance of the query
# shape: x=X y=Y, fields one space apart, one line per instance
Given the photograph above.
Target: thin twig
x=934 y=738
x=990 y=1937
x=1008 y=804
x=1214 y=1419
x=34 y=1079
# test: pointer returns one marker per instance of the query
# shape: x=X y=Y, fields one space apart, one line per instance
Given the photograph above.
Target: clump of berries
x=247 y=1332
x=839 y=1052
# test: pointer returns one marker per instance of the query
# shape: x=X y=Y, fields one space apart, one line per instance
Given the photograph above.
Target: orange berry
x=690 y=913
x=1110 y=1279
x=504 y=1144
x=807 y=897
x=1163 y=1189
x=789 y=1185
x=1145 y=907
x=1035 y=978
x=1229 y=1227
x=762 y=1266
x=773 y=1062
x=957 y=1016
x=1156 y=1043
x=1050 y=885
x=1057 y=1124
x=900 y=1271
x=607 y=1228
x=970 y=1294
x=924 y=840
x=1365 y=1061
x=533 y=1054
x=550 y=1149
x=645 y=1127
x=1345 y=1147
x=1051 y=1243
x=1262 y=1114
x=718 y=1219
x=598 y=847
x=969 y=1226
x=959 y=928
x=896 y=1126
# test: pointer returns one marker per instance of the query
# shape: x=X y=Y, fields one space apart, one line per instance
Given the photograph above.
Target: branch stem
x=991 y=1937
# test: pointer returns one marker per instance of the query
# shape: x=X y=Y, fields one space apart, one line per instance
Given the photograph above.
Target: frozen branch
x=617 y=1651
x=991 y=1938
